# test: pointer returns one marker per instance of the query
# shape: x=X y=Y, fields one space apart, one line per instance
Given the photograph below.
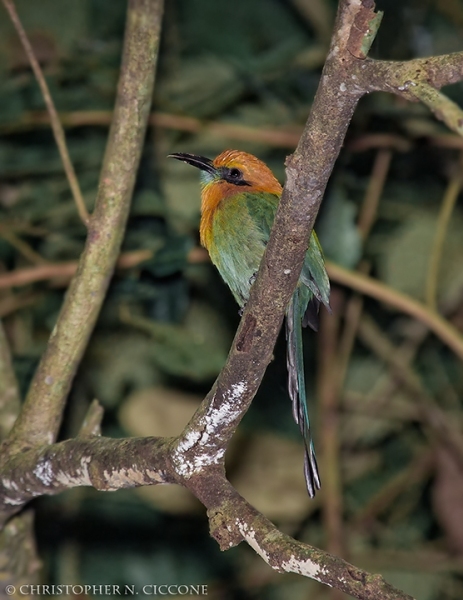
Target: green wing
x=262 y=210
x=313 y=289
x=313 y=273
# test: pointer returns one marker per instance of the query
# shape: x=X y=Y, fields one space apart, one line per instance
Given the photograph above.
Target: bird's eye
x=235 y=174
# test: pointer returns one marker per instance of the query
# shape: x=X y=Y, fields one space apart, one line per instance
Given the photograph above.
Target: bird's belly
x=237 y=254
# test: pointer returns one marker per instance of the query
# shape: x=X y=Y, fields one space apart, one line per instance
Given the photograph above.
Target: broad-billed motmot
x=239 y=199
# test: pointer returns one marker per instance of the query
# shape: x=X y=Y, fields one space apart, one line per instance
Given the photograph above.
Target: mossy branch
x=41 y=415
x=418 y=80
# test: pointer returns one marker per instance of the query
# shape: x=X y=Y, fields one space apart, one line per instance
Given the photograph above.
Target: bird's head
x=232 y=172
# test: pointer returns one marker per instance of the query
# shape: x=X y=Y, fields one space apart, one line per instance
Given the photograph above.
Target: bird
x=239 y=199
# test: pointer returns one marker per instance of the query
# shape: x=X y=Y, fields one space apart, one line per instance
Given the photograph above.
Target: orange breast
x=212 y=195
x=215 y=192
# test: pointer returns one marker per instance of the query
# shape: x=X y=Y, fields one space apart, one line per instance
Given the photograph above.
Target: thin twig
x=366 y=220
x=444 y=109
x=335 y=353
x=352 y=314
x=280 y=137
x=65 y=270
x=448 y=203
x=433 y=417
x=92 y=421
x=22 y=247
x=13 y=302
x=380 y=291
x=56 y=126
x=416 y=471
x=376 y=183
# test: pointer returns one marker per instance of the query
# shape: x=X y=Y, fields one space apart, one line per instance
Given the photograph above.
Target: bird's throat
x=212 y=195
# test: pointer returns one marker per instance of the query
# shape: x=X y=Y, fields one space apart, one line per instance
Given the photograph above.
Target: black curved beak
x=201 y=162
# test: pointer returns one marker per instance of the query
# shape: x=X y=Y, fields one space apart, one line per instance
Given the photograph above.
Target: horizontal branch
x=64 y=270
x=395 y=76
x=103 y=463
x=112 y=464
x=418 y=79
x=283 y=137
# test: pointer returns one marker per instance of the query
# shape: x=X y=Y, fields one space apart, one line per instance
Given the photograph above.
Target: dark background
x=251 y=69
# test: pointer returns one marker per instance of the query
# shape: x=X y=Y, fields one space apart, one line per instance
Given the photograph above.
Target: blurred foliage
x=167 y=324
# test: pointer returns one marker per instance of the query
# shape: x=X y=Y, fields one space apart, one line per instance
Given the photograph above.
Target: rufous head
x=232 y=172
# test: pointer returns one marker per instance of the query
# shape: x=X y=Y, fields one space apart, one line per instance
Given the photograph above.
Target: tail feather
x=310 y=317
x=296 y=388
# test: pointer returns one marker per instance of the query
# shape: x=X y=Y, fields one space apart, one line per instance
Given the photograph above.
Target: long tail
x=296 y=388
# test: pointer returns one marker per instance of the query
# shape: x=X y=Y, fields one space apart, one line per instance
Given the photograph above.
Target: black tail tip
x=311 y=474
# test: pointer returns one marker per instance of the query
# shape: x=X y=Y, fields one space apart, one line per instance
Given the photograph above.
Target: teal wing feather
x=313 y=273
x=296 y=384
x=262 y=211
x=315 y=264
x=315 y=277
x=302 y=310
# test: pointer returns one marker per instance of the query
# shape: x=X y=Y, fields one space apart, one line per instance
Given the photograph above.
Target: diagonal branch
x=448 y=203
x=108 y=465
x=41 y=415
x=383 y=293
x=308 y=170
x=195 y=459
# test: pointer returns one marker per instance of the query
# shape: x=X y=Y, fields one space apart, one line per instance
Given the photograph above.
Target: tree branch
x=308 y=170
x=448 y=203
x=91 y=461
x=41 y=415
x=196 y=458
x=9 y=393
x=418 y=79
x=103 y=463
x=64 y=270
x=18 y=554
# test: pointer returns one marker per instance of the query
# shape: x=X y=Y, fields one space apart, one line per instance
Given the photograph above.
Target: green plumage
x=240 y=196
x=240 y=232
